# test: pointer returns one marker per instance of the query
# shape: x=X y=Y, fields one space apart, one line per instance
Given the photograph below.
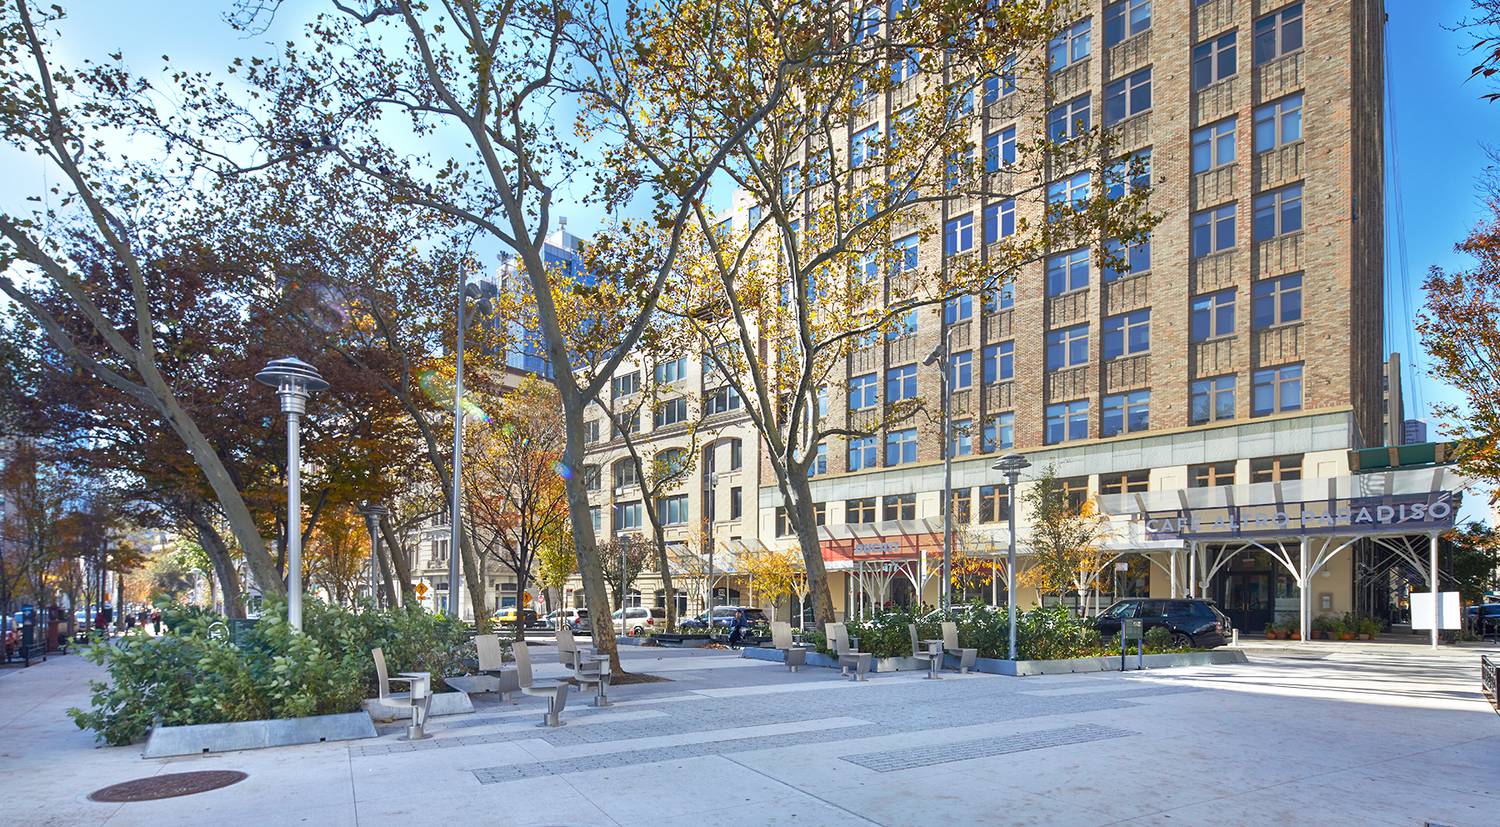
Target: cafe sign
x=1358 y=515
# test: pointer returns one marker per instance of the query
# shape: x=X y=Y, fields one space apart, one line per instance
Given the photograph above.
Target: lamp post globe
x=294 y=380
x=1011 y=465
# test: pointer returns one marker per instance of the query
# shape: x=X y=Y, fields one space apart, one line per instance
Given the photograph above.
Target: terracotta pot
x=1273 y=636
x=1295 y=636
x=1369 y=637
x=1346 y=636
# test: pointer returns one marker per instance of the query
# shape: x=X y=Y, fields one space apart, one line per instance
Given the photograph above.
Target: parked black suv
x=1192 y=622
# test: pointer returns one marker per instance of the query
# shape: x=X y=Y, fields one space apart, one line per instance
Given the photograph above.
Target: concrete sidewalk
x=1345 y=737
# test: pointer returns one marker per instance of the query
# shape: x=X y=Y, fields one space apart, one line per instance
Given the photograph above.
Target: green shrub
x=193 y=673
x=1369 y=626
x=1158 y=639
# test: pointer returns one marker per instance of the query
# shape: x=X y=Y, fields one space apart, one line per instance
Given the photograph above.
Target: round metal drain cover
x=171 y=785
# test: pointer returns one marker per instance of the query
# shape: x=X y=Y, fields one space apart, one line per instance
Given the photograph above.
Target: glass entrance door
x=1247 y=597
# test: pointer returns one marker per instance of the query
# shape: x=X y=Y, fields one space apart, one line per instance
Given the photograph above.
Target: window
x=590 y=432
x=1075 y=490
x=1126 y=19
x=1211 y=400
x=1274 y=390
x=791 y=181
x=864 y=146
x=736 y=454
x=624 y=385
x=904 y=325
x=1000 y=149
x=999 y=432
x=958 y=235
x=904 y=255
x=960 y=168
x=859 y=511
x=671 y=371
x=1067 y=272
x=1002 y=84
x=1213 y=230
x=1127 y=334
x=999 y=362
x=994 y=503
x=901 y=446
x=1128 y=174
x=901 y=383
x=999 y=220
x=1071 y=193
x=1067 y=421
x=628 y=516
x=1069 y=45
x=1278 y=123
x=961 y=370
x=1213 y=146
x=1212 y=316
x=1278 y=212
x=736 y=503
x=862 y=453
x=592 y=478
x=624 y=474
x=672 y=510
x=1276 y=469
x=783 y=525
x=671 y=462
x=905 y=67
x=596 y=517
x=1127 y=97
x=1125 y=413
x=962 y=505
x=1211 y=474
x=864 y=392
x=1129 y=482
x=1276 y=301
x=1068 y=347
x=867 y=24
x=819 y=464
x=1278 y=33
x=1001 y=297
x=721 y=400
x=670 y=412
x=1122 y=260
x=1068 y=120
x=961 y=437
x=628 y=422
x=1213 y=60
x=961 y=99
x=900 y=507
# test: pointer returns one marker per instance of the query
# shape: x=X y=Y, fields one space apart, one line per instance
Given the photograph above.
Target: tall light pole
x=939 y=354
x=293 y=380
x=373 y=512
x=484 y=292
x=1011 y=465
x=708 y=539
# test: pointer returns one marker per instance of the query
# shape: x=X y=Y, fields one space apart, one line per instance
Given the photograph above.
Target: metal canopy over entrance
x=1301 y=525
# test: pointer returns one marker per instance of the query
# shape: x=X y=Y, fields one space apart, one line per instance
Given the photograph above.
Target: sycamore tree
x=820 y=268
x=1460 y=328
x=1066 y=540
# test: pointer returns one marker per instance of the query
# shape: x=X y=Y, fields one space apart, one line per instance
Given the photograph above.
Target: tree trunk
x=223 y=565
x=399 y=559
x=669 y=592
x=590 y=569
x=797 y=496
x=387 y=577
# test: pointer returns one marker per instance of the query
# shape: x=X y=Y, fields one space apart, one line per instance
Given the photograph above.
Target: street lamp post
x=293 y=380
x=1011 y=465
x=484 y=292
x=373 y=512
x=939 y=354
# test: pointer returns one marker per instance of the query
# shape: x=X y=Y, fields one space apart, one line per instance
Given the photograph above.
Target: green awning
x=1388 y=457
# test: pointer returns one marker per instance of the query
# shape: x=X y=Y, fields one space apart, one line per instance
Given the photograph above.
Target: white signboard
x=1421 y=610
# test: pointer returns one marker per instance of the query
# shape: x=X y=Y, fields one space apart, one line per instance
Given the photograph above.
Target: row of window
x=670 y=511
x=1275 y=35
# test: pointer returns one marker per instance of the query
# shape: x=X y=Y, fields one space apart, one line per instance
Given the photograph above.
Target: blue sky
x=1441 y=124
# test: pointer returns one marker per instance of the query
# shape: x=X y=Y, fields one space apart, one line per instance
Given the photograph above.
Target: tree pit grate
x=170 y=785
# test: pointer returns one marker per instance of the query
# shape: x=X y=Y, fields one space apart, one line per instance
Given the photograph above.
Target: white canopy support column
x=1432 y=552
x=1172 y=576
x=1192 y=569
x=1304 y=602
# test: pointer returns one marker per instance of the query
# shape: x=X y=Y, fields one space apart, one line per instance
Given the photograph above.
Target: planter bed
x=679 y=641
x=831 y=662
x=1108 y=663
x=196 y=739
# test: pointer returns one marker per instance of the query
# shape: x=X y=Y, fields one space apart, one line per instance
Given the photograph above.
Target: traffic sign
x=421 y=590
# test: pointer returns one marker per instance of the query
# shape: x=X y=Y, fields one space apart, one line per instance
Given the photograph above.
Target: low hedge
x=194 y=674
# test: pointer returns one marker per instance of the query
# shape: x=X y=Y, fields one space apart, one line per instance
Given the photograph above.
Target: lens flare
x=562 y=470
x=439 y=390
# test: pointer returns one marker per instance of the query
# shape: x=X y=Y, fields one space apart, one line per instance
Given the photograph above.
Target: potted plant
x=1322 y=626
x=1369 y=627
x=1293 y=630
x=1345 y=628
x=1273 y=632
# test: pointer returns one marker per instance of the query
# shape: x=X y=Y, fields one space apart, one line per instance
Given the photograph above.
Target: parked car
x=575 y=620
x=724 y=617
x=639 y=619
x=1484 y=618
x=507 y=616
x=1192 y=621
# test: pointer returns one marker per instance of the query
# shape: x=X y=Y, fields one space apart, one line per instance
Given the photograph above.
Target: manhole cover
x=168 y=786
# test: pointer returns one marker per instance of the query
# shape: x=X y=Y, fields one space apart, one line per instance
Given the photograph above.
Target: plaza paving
x=1324 y=734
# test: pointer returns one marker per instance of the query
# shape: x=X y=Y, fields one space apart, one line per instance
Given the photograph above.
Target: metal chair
x=492 y=663
x=418 y=695
x=556 y=693
x=933 y=659
x=838 y=639
x=966 y=657
x=781 y=638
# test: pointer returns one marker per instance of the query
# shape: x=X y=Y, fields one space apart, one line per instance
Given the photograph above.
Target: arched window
x=671 y=462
